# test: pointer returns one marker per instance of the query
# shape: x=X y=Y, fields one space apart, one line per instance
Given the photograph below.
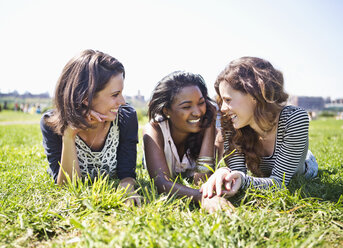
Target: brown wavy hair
x=82 y=78
x=163 y=95
x=258 y=78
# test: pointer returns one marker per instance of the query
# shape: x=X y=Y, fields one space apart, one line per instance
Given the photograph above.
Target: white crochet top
x=102 y=162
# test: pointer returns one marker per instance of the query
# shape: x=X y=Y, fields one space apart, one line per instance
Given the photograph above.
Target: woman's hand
x=94 y=117
x=232 y=183
x=133 y=198
x=223 y=177
x=216 y=203
x=71 y=132
x=215 y=183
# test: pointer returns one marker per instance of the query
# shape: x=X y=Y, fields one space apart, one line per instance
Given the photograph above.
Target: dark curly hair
x=82 y=77
x=163 y=96
x=258 y=78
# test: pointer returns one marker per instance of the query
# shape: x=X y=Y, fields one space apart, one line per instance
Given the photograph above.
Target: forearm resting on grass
x=165 y=184
x=209 y=204
x=69 y=161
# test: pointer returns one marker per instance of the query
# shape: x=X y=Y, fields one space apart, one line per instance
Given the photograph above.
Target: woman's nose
x=224 y=108
x=196 y=112
x=121 y=100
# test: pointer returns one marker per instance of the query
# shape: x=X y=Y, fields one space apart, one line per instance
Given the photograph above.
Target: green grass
x=36 y=212
x=17 y=117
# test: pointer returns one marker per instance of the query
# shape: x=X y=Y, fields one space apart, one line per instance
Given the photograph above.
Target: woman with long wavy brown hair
x=264 y=135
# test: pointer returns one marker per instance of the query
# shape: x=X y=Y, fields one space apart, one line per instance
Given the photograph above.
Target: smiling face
x=108 y=100
x=186 y=111
x=239 y=107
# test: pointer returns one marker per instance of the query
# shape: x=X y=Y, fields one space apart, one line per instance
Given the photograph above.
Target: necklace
x=96 y=135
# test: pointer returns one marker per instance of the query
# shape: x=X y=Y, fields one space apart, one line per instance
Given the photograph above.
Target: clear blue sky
x=153 y=38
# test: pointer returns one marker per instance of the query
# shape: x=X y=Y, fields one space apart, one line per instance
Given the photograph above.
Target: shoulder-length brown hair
x=258 y=78
x=82 y=77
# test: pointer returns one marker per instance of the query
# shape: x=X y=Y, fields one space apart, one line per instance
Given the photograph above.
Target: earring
x=168 y=116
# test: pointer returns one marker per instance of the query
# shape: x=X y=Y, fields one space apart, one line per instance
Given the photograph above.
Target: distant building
x=25 y=95
x=137 y=101
x=308 y=103
x=336 y=104
x=327 y=100
x=338 y=101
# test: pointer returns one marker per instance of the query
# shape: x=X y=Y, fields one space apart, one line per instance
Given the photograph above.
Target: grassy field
x=36 y=212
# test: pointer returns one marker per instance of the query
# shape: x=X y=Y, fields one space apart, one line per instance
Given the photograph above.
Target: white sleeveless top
x=175 y=165
x=102 y=162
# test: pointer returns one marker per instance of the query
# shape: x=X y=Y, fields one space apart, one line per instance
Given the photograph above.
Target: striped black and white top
x=291 y=146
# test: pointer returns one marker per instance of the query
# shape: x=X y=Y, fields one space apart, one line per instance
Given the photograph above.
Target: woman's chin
x=236 y=126
x=196 y=130
x=111 y=116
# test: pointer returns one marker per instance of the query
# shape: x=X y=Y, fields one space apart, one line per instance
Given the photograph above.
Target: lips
x=233 y=117
x=113 y=111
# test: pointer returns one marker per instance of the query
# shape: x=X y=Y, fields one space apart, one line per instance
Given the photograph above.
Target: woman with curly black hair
x=179 y=139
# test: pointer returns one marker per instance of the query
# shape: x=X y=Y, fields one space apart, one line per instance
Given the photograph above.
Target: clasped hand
x=92 y=118
x=223 y=181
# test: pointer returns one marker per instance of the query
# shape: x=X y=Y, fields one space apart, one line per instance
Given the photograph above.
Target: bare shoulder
x=152 y=131
x=151 y=128
x=153 y=144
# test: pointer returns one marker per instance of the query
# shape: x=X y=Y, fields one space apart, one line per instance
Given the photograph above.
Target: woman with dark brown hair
x=179 y=139
x=91 y=131
x=266 y=137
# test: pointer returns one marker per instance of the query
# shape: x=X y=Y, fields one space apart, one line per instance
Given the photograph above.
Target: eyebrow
x=226 y=97
x=184 y=102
